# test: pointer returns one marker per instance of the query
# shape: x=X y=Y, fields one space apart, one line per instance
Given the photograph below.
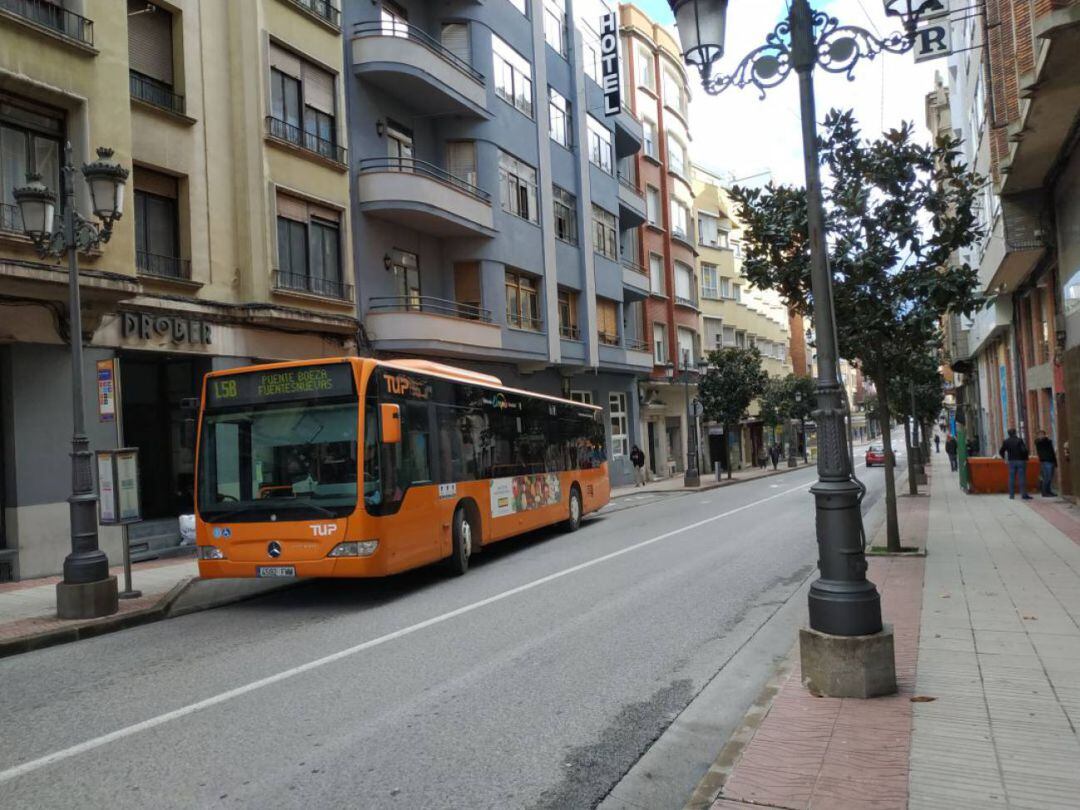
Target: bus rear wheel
x=462 y=546
x=573 y=522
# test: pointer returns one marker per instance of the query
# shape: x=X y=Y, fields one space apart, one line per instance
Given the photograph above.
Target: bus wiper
x=266 y=507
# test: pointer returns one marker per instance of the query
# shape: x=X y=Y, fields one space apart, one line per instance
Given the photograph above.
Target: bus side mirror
x=391 y=423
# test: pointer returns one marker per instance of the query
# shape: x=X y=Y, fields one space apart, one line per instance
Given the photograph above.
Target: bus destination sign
x=280 y=385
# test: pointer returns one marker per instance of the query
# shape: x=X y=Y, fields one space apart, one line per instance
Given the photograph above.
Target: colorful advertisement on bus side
x=524 y=492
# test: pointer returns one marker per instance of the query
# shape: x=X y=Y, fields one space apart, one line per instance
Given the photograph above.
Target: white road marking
x=184 y=711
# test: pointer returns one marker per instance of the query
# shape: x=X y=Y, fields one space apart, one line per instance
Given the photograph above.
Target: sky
x=737 y=132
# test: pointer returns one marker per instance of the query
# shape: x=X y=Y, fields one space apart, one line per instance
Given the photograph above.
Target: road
x=537 y=680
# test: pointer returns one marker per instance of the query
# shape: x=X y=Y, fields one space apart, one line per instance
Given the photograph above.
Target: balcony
x=423 y=196
x=569 y=332
x=631 y=204
x=155 y=93
x=607 y=338
x=322 y=287
x=1025 y=223
x=323 y=10
x=423 y=323
x=629 y=133
x=10 y=219
x=286 y=134
x=166 y=267
x=52 y=18
x=635 y=277
x=417 y=70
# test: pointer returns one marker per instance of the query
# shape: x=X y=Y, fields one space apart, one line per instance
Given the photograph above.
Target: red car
x=875 y=454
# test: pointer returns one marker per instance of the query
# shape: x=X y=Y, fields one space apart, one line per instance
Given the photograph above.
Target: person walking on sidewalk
x=951 y=448
x=774 y=454
x=937 y=442
x=637 y=458
x=1015 y=452
x=1044 y=447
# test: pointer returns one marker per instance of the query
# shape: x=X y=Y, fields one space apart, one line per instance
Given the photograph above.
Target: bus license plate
x=275 y=571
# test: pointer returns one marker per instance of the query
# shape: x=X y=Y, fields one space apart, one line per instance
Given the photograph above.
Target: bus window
x=372 y=476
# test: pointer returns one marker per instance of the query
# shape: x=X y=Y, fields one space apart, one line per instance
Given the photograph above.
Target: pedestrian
x=1044 y=447
x=763 y=457
x=972 y=446
x=1015 y=453
x=637 y=458
x=951 y=448
x=937 y=443
x=774 y=454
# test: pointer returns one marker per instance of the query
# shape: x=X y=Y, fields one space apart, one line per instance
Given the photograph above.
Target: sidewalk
x=987 y=634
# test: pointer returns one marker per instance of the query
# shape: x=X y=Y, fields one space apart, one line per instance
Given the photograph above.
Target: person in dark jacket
x=937 y=443
x=952 y=447
x=1015 y=453
x=774 y=454
x=637 y=458
x=1044 y=446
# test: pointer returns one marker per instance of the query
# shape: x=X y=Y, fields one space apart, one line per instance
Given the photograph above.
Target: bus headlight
x=210 y=553
x=354 y=548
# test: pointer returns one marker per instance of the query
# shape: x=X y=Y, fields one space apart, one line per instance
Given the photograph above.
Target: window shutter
x=455 y=38
x=318 y=88
x=154 y=183
x=461 y=160
x=292 y=208
x=150 y=41
x=285 y=61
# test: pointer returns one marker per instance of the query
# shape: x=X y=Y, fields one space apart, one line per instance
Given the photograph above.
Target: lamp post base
x=692 y=479
x=792 y=461
x=87 y=600
x=848 y=666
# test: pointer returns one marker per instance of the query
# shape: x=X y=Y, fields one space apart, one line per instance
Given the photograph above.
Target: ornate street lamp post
x=87 y=590
x=842 y=602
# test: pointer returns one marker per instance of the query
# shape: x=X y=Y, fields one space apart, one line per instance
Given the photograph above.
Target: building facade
x=232 y=247
x=1014 y=96
x=491 y=219
x=735 y=314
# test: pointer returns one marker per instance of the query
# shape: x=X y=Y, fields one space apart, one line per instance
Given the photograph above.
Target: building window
x=455 y=38
x=29 y=143
x=565 y=215
x=568 y=323
x=302 y=107
x=675 y=93
x=584 y=397
x=679 y=217
x=157 y=225
x=684 y=284
x=725 y=288
x=309 y=248
x=405 y=266
x=708 y=230
x=736 y=292
x=736 y=247
x=461 y=160
x=607 y=321
x=590 y=53
x=659 y=333
x=729 y=335
x=645 y=75
x=522 y=302
x=714 y=333
x=709 y=278
x=395 y=19
x=656 y=274
x=649 y=135
x=686 y=345
x=560 y=122
x=604 y=228
x=620 y=439
x=652 y=205
x=600 y=154
x=517 y=187
x=520 y=5
x=676 y=155
x=555 y=25
x=399 y=146
x=740 y=339
x=513 y=76
x=150 y=55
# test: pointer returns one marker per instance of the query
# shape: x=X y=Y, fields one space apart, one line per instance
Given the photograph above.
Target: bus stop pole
x=127 y=593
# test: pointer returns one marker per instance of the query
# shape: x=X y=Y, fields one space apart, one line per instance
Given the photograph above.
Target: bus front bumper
x=342 y=567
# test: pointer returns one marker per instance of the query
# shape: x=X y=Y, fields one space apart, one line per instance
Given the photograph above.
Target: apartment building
x=1014 y=95
x=232 y=247
x=491 y=218
x=658 y=89
x=734 y=314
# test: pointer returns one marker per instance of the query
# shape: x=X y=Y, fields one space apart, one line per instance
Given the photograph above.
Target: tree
x=896 y=211
x=734 y=378
x=920 y=378
x=785 y=398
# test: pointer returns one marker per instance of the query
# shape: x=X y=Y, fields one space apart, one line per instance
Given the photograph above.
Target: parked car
x=875 y=454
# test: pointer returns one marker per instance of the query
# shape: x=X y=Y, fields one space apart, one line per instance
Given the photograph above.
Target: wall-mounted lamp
x=387 y=262
x=380 y=127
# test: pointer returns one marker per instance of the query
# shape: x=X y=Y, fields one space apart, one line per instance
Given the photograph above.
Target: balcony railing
x=686 y=302
x=607 y=338
x=636 y=344
x=629 y=264
x=155 y=264
x=322 y=8
x=525 y=322
x=414 y=34
x=630 y=183
x=414 y=166
x=308 y=141
x=154 y=92
x=301 y=282
x=10 y=218
x=54 y=17
x=569 y=331
x=433 y=306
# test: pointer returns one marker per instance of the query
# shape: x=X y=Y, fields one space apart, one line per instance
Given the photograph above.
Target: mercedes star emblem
x=274 y=549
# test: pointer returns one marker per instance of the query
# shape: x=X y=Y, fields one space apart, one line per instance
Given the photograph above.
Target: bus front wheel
x=462 y=543
x=574 y=520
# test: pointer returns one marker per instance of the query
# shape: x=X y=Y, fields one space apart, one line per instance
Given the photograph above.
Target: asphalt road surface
x=535 y=681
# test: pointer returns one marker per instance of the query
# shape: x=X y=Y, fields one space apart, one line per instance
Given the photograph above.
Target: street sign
x=609 y=63
x=933 y=41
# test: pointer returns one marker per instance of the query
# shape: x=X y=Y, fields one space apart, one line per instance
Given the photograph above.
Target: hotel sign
x=609 y=63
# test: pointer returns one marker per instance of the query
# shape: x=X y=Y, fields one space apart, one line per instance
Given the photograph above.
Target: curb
x=710 y=485
x=183 y=598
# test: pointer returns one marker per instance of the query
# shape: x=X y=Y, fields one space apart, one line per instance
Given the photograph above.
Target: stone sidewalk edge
x=183 y=598
x=711 y=485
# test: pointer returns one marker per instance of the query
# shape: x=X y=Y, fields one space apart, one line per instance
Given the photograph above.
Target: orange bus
x=362 y=468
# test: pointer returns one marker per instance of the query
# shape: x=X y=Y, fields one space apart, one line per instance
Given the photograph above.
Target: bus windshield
x=294 y=460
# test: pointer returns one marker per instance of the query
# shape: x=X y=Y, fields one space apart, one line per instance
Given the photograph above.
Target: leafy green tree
x=733 y=379
x=785 y=398
x=920 y=380
x=896 y=211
